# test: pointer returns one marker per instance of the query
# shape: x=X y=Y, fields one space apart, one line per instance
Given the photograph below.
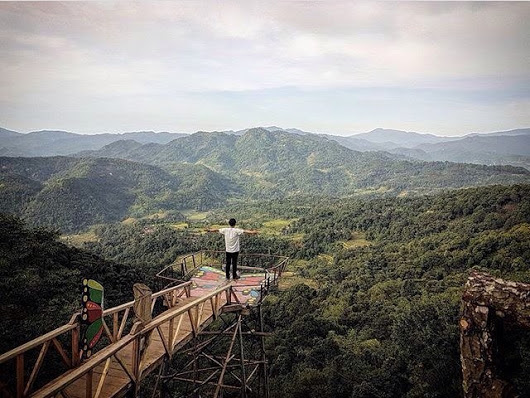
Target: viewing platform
x=195 y=294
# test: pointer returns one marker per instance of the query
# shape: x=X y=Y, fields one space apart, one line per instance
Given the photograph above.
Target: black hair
x=232 y=222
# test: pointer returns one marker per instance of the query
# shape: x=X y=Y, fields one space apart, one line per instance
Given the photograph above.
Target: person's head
x=232 y=222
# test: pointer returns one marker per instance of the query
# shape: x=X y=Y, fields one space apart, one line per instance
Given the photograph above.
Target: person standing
x=232 y=235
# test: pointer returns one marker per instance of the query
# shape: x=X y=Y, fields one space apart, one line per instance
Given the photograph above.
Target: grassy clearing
x=194 y=215
x=179 y=225
x=357 y=240
x=78 y=240
x=291 y=278
x=275 y=227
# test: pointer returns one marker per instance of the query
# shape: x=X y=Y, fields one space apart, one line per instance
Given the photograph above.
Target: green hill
x=72 y=194
x=278 y=164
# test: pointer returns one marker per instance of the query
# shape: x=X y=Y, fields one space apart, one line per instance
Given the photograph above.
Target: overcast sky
x=339 y=67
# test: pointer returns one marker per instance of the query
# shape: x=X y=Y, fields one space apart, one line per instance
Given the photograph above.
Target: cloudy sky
x=340 y=67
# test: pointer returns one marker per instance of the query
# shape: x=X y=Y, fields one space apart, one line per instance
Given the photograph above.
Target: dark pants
x=231 y=259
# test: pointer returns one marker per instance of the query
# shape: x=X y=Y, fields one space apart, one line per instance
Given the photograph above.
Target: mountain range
x=54 y=143
x=207 y=169
x=270 y=164
x=504 y=147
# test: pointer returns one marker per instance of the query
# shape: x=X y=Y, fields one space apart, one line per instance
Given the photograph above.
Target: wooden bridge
x=130 y=349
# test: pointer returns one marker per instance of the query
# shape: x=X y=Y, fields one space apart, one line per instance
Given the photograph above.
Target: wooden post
x=241 y=352
x=75 y=346
x=263 y=357
x=20 y=375
x=88 y=386
x=136 y=363
x=115 y=326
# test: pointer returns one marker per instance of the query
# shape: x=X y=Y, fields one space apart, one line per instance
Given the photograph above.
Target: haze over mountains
x=52 y=143
x=505 y=147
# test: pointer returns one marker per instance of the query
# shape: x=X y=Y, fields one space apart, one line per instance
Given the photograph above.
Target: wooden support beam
x=75 y=346
x=88 y=383
x=36 y=368
x=123 y=323
x=174 y=338
x=20 y=375
x=103 y=377
x=115 y=326
x=58 y=346
x=107 y=331
x=227 y=359
x=120 y=362
x=225 y=386
x=241 y=351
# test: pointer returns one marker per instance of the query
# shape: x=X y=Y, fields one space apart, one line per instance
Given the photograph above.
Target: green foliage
x=40 y=281
x=73 y=194
x=387 y=313
x=384 y=319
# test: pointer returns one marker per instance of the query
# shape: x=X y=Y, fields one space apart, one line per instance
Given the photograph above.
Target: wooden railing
x=272 y=265
x=121 y=331
x=120 y=320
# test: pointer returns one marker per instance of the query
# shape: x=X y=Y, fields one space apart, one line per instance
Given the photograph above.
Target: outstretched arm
x=212 y=230
x=251 y=232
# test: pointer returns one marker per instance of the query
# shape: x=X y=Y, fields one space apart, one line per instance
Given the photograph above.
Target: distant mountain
x=53 y=143
x=490 y=149
x=277 y=164
x=271 y=129
x=390 y=139
x=8 y=133
x=72 y=194
x=508 y=132
x=356 y=144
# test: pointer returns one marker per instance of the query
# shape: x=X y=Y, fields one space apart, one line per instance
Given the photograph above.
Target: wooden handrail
x=117 y=339
x=167 y=315
x=36 y=342
x=72 y=325
x=112 y=349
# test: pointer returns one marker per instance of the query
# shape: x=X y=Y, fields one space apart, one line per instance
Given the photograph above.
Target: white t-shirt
x=231 y=238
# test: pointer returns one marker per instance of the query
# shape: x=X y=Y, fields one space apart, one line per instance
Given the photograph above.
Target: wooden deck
x=132 y=349
x=123 y=364
x=116 y=380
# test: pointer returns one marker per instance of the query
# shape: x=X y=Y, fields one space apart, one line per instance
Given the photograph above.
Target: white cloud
x=111 y=50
